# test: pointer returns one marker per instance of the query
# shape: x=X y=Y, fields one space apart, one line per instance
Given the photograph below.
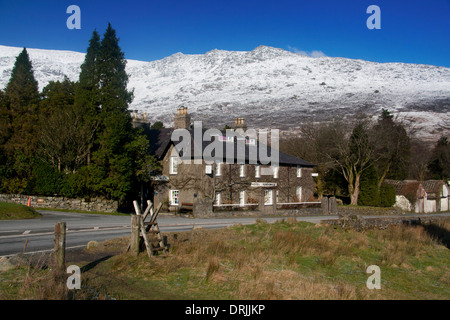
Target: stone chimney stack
x=182 y=119
x=239 y=123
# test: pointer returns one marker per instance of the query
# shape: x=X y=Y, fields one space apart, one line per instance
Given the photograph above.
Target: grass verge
x=12 y=211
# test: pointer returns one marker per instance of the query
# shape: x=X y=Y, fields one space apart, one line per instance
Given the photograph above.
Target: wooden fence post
x=324 y=205
x=332 y=205
x=135 y=239
x=59 y=251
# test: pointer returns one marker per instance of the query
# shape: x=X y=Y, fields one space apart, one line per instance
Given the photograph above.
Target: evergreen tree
x=357 y=160
x=369 y=194
x=160 y=125
x=114 y=161
x=387 y=196
x=4 y=135
x=114 y=95
x=87 y=95
x=22 y=88
x=22 y=99
x=64 y=134
x=4 y=120
x=57 y=95
x=439 y=164
x=391 y=148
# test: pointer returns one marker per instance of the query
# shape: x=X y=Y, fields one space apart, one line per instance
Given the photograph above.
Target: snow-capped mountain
x=269 y=87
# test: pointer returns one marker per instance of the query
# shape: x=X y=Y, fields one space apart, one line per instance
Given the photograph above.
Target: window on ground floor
x=242 y=198
x=298 y=192
x=217 y=198
x=268 y=194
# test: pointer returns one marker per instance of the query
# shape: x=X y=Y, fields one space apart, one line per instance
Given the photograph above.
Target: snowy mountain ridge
x=269 y=87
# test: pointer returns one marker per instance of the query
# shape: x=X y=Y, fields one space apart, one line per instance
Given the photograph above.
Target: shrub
x=368 y=195
x=46 y=179
x=387 y=196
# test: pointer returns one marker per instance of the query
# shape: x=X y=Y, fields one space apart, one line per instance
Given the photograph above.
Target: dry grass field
x=280 y=261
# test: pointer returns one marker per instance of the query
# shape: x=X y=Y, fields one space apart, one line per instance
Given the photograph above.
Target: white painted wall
x=403 y=203
x=429 y=206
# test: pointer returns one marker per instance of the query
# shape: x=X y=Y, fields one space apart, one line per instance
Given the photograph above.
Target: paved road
x=82 y=228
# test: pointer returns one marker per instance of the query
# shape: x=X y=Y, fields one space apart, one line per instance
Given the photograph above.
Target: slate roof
x=411 y=189
x=433 y=186
x=160 y=141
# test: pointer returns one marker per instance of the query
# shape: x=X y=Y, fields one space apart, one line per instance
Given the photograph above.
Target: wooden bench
x=187 y=207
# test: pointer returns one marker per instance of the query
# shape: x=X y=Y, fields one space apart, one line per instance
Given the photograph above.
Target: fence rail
x=234 y=207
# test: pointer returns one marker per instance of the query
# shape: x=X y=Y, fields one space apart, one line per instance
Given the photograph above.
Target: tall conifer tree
x=22 y=98
x=111 y=170
x=89 y=83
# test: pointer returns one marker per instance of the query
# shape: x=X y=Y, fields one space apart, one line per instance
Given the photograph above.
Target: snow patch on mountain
x=269 y=87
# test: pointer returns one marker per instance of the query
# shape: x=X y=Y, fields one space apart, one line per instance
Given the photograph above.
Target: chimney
x=239 y=123
x=182 y=119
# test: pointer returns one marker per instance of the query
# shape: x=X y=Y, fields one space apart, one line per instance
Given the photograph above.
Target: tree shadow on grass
x=435 y=230
x=93 y=264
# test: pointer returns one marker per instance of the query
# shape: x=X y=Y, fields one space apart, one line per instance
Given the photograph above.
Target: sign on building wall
x=264 y=184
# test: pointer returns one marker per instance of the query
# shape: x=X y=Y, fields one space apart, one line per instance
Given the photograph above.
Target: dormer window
x=299 y=172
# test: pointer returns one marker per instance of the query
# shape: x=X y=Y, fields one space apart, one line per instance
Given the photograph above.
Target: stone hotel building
x=217 y=187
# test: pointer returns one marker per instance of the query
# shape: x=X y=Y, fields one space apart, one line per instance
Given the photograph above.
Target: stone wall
x=98 y=205
x=204 y=209
x=359 y=223
x=368 y=211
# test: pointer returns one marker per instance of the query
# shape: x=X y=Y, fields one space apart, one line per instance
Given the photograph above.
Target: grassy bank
x=285 y=260
x=10 y=211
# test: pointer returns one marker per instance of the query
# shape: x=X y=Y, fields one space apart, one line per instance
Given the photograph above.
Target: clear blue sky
x=411 y=31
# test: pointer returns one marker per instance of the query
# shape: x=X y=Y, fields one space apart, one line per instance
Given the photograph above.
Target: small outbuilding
x=421 y=197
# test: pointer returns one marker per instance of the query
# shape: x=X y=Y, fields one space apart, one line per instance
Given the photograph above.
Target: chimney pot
x=182 y=119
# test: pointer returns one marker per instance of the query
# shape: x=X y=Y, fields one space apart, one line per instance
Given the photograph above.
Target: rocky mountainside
x=269 y=87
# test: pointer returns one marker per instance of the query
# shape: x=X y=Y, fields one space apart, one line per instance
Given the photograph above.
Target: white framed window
x=174 y=165
x=242 y=170
x=275 y=170
x=268 y=197
x=299 y=172
x=242 y=198
x=174 y=197
x=208 y=169
x=217 y=198
x=298 y=192
x=257 y=171
x=218 y=169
